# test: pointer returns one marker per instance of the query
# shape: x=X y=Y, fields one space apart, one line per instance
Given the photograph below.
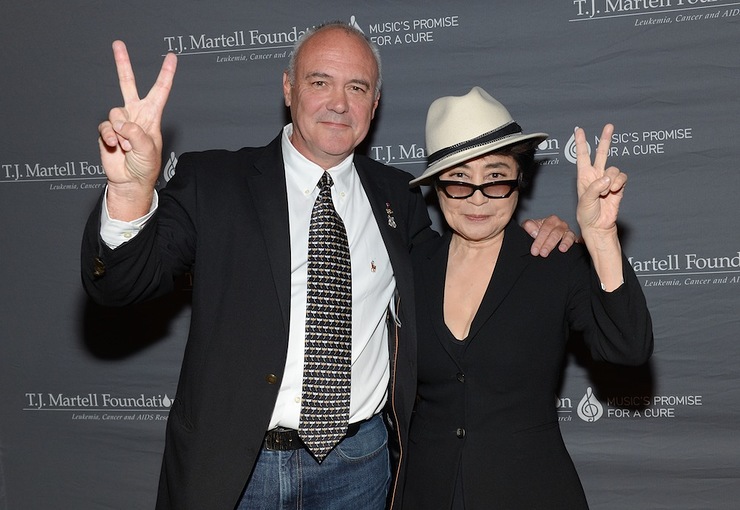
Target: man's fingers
x=550 y=234
x=531 y=227
x=546 y=242
x=161 y=89
x=126 y=79
x=568 y=240
x=107 y=134
x=131 y=136
x=109 y=130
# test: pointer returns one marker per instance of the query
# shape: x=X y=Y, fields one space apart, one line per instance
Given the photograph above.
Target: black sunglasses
x=495 y=189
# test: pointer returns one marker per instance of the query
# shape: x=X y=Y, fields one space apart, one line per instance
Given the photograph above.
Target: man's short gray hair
x=349 y=29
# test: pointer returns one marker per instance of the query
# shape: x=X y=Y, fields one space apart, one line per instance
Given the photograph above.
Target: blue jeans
x=355 y=475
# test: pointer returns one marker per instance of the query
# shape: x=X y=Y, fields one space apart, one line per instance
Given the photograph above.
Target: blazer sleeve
x=617 y=325
x=146 y=266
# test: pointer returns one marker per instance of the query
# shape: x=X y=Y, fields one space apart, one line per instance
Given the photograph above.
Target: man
x=240 y=221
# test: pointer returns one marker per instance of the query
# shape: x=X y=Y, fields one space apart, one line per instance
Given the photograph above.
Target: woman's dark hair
x=523 y=154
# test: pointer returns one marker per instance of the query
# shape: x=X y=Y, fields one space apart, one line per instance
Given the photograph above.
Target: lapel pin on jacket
x=389 y=212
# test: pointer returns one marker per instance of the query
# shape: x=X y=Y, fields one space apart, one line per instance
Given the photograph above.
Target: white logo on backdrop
x=570 y=149
x=238 y=44
x=169 y=168
x=353 y=23
x=589 y=408
x=62 y=175
x=661 y=12
x=687 y=269
x=104 y=407
x=410 y=31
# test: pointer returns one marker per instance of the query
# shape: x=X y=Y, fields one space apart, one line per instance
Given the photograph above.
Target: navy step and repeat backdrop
x=85 y=391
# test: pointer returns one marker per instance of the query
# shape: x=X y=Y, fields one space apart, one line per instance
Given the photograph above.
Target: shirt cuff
x=603 y=287
x=116 y=232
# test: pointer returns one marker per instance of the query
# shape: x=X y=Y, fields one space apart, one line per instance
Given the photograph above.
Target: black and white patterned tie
x=328 y=351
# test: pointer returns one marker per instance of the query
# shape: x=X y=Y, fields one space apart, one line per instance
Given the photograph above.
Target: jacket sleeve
x=617 y=325
x=148 y=265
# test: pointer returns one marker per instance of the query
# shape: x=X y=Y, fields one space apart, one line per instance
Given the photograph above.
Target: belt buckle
x=282 y=440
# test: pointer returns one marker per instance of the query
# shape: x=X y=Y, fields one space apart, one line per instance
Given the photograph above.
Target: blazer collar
x=513 y=258
x=269 y=194
x=268 y=191
x=381 y=203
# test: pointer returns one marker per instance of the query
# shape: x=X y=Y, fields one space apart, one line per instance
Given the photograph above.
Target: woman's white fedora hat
x=460 y=128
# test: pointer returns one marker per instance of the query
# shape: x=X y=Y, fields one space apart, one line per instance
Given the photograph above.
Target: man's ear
x=375 y=105
x=287 y=88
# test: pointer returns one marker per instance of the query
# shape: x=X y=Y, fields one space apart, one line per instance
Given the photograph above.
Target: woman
x=493 y=320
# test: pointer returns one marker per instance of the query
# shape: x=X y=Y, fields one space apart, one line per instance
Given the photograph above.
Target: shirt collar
x=306 y=174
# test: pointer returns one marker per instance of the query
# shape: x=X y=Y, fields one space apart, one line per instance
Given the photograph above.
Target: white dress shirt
x=373 y=286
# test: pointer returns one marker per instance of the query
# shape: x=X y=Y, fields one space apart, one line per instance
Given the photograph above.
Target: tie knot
x=325 y=182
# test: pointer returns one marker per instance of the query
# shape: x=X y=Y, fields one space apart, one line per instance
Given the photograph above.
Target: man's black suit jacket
x=224 y=216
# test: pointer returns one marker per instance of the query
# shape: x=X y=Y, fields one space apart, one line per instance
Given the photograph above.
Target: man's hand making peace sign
x=131 y=139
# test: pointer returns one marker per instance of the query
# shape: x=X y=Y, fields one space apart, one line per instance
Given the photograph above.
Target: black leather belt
x=282 y=439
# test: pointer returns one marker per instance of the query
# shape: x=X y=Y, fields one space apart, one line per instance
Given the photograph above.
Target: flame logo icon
x=589 y=408
x=353 y=23
x=169 y=168
x=570 y=149
x=166 y=401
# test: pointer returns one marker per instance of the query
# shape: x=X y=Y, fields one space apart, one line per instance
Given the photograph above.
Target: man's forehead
x=336 y=48
x=365 y=78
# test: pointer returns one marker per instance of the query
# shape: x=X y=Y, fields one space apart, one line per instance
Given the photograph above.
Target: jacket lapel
x=268 y=191
x=381 y=204
x=513 y=258
x=432 y=279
